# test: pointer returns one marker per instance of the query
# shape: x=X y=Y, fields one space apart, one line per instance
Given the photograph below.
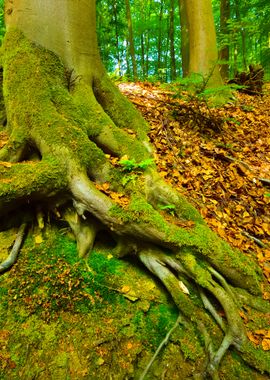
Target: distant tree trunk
x=117 y=38
x=159 y=44
x=243 y=34
x=171 y=39
x=235 y=54
x=202 y=41
x=224 y=53
x=142 y=56
x=184 y=37
x=147 y=54
x=131 y=40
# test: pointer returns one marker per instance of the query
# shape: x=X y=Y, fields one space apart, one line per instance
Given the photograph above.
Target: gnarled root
x=12 y=257
x=73 y=140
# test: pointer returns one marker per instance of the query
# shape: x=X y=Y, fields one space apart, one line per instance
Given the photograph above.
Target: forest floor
x=63 y=319
x=219 y=158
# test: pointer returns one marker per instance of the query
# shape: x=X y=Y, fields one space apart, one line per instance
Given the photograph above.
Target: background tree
x=131 y=40
x=203 y=54
x=184 y=38
x=68 y=129
x=224 y=52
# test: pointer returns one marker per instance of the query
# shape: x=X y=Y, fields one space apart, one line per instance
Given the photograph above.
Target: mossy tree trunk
x=68 y=126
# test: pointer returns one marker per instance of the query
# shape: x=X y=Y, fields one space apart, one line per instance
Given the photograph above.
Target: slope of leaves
x=220 y=159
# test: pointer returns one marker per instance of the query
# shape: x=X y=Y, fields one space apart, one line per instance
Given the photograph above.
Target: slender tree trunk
x=159 y=41
x=203 y=54
x=235 y=64
x=117 y=38
x=142 y=56
x=243 y=34
x=171 y=39
x=224 y=53
x=131 y=41
x=184 y=37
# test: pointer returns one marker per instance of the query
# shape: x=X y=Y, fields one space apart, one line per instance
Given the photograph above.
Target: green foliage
x=132 y=165
x=246 y=36
x=169 y=208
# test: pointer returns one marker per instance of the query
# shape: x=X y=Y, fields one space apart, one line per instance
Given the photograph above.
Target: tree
x=68 y=126
x=203 y=54
x=171 y=38
x=184 y=38
x=224 y=53
x=130 y=40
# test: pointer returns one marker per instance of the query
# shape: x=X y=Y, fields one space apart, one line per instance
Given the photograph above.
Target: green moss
x=23 y=179
x=121 y=111
x=39 y=103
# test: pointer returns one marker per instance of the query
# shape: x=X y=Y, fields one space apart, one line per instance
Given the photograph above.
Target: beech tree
x=67 y=125
x=203 y=53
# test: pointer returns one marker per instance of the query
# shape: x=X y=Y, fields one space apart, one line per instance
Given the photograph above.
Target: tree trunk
x=184 y=38
x=159 y=39
x=224 y=53
x=171 y=39
x=203 y=54
x=117 y=39
x=242 y=33
x=131 y=41
x=67 y=132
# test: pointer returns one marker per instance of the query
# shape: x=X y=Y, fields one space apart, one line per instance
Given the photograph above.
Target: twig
x=6 y=264
x=163 y=343
x=265 y=180
x=256 y=240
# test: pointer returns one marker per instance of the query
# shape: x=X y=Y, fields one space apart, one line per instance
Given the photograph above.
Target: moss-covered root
x=160 y=264
x=12 y=257
x=85 y=231
x=16 y=147
x=25 y=182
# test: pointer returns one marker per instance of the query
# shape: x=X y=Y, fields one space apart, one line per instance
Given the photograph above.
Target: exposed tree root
x=73 y=139
x=12 y=257
x=162 y=344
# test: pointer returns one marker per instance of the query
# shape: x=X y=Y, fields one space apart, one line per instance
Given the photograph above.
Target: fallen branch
x=256 y=240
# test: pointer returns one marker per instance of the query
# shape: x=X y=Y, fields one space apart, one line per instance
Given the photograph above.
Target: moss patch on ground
x=61 y=317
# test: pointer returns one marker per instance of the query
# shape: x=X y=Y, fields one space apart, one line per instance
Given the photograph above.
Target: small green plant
x=247 y=108
x=129 y=178
x=232 y=120
x=267 y=194
x=168 y=208
x=132 y=165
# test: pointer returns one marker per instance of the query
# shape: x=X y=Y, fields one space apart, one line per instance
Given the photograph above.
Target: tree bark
x=171 y=39
x=224 y=53
x=203 y=54
x=184 y=38
x=242 y=33
x=66 y=139
x=131 y=41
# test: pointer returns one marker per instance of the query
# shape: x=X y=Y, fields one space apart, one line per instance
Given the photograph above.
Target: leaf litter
x=219 y=158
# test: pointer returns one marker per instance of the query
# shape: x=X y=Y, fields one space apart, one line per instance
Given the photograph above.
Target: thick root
x=73 y=139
